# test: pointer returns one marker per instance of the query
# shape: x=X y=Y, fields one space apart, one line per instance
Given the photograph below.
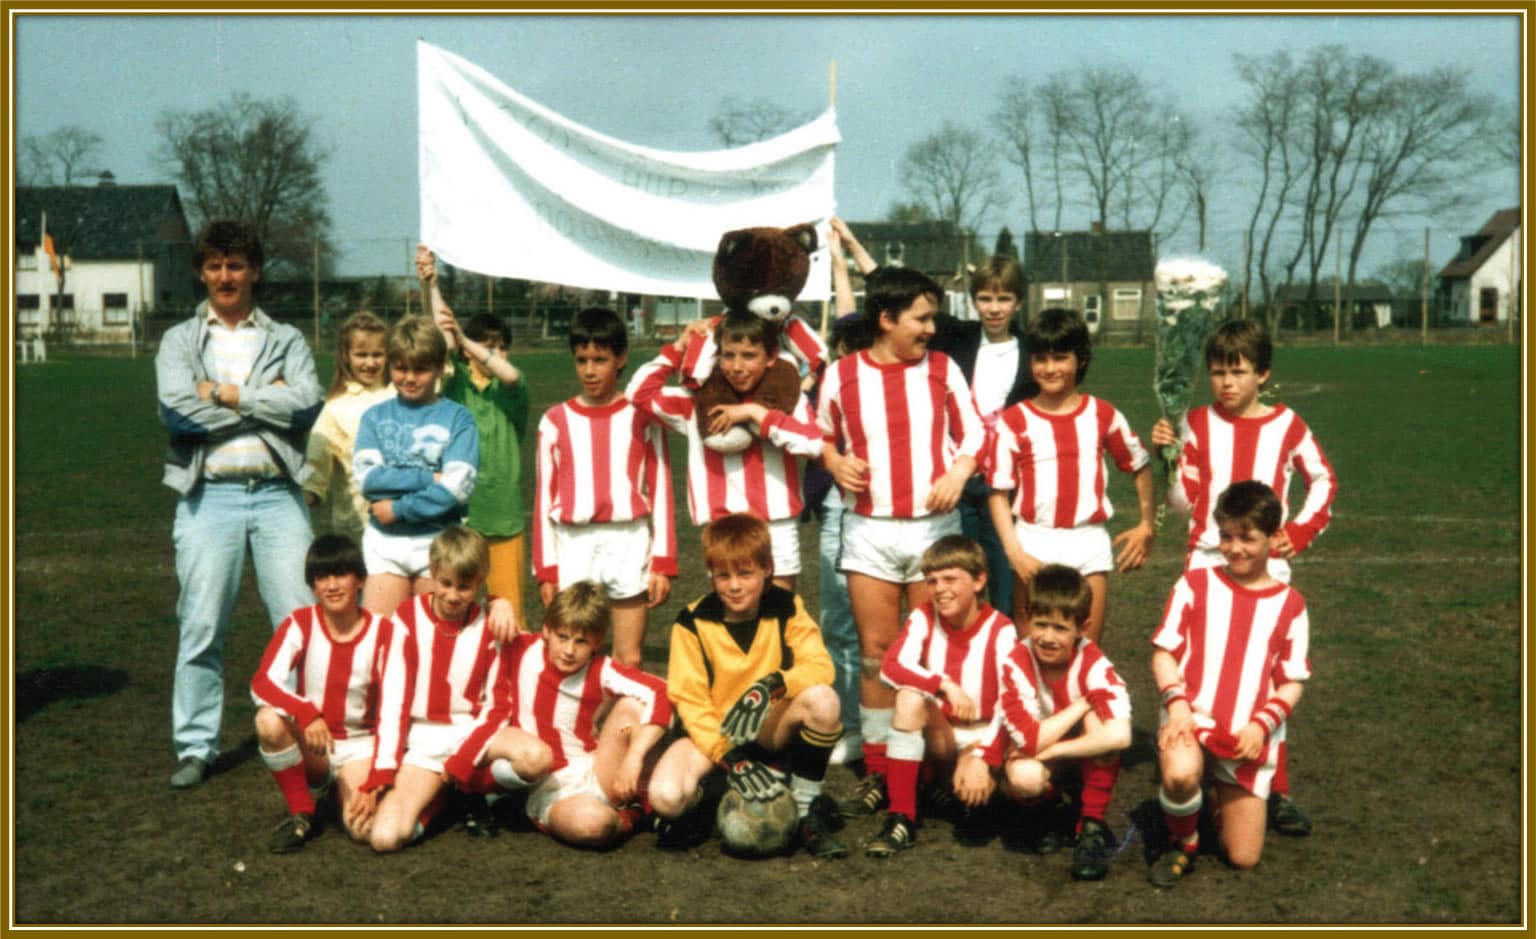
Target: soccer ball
x=757 y=829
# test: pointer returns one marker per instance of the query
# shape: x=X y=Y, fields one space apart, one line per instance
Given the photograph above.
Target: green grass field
x=1406 y=749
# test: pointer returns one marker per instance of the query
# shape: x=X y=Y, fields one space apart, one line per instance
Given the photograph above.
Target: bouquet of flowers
x=1188 y=293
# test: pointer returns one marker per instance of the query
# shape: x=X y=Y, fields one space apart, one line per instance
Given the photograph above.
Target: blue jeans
x=838 y=632
x=214 y=526
x=976 y=522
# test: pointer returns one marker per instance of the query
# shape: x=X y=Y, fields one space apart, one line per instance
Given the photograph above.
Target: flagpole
x=826 y=305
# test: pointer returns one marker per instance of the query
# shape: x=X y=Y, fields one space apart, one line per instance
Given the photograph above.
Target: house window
x=1091 y=305
x=895 y=251
x=28 y=308
x=1055 y=294
x=1127 y=303
x=114 y=308
x=67 y=302
x=26 y=257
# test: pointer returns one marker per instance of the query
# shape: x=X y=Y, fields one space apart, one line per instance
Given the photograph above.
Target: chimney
x=106 y=179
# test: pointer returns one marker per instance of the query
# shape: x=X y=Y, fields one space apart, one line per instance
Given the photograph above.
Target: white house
x=1482 y=284
x=124 y=250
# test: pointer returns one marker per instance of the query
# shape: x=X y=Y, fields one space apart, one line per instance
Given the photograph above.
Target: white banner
x=510 y=188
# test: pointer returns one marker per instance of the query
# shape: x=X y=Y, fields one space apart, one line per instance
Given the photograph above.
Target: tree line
x=1331 y=143
x=1328 y=143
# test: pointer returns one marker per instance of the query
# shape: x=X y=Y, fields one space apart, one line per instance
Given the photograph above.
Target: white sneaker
x=848 y=749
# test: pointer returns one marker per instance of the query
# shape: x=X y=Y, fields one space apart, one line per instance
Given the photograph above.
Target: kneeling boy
x=944 y=669
x=751 y=680
x=1229 y=660
x=1063 y=704
x=313 y=690
x=585 y=781
x=440 y=667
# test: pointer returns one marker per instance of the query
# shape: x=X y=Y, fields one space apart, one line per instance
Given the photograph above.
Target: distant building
x=1371 y=303
x=125 y=250
x=1482 y=284
x=1104 y=275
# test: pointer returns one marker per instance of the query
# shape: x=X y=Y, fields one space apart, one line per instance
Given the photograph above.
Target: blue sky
x=657 y=80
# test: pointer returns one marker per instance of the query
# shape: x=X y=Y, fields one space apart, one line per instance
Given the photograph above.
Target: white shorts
x=615 y=555
x=1202 y=558
x=404 y=555
x=350 y=750
x=576 y=778
x=969 y=736
x=891 y=549
x=1256 y=776
x=1086 y=547
x=785 y=535
x=430 y=743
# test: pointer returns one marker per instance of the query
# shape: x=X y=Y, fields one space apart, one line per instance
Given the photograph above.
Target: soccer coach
x=238 y=394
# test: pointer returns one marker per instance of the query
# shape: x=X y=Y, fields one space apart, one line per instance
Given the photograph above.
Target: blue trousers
x=838 y=632
x=215 y=526
x=976 y=523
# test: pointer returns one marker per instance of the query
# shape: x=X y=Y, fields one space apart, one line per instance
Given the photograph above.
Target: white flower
x=1192 y=274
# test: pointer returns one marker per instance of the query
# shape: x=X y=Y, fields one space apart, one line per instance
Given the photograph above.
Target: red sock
x=481 y=781
x=1282 y=781
x=901 y=786
x=1184 y=831
x=630 y=815
x=433 y=807
x=874 y=758
x=295 y=786
x=1098 y=784
x=928 y=773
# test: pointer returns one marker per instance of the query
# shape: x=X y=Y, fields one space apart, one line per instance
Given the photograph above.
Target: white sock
x=905 y=745
x=804 y=790
x=282 y=759
x=506 y=777
x=875 y=724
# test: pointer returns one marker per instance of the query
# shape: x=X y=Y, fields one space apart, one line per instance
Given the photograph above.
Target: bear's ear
x=729 y=242
x=803 y=235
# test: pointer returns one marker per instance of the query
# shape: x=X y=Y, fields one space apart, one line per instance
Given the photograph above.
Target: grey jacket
x=280 y=415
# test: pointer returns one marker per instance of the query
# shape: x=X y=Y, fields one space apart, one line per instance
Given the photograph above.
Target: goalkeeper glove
x=755 y=781
x=745 y=718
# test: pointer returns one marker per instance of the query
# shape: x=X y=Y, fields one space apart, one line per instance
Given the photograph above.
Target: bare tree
x=1056 y=113
x=907 y=212
x=1107 y=139
x=1156 y=179
x=1105 y=124
x=1340 y=94
x=1020 y=120
x=1195 y=167
x=1422 y=138
x=1506 y=137
x=737 y=123
x=953 y=175
x=257 y=160
x=62 y=156
x=1267 y=128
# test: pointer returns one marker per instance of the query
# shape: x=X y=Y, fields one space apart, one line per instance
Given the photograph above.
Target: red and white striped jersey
x=1219 y=450
x=1028 y=697
x=908 y=420
x=307 y=674
x=1054 y=463
x=762 y=480
x=928 y=651
x=1234 y=645
x=559 y=709
x=803 y=342
x=607 y=464
x=433 y=671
